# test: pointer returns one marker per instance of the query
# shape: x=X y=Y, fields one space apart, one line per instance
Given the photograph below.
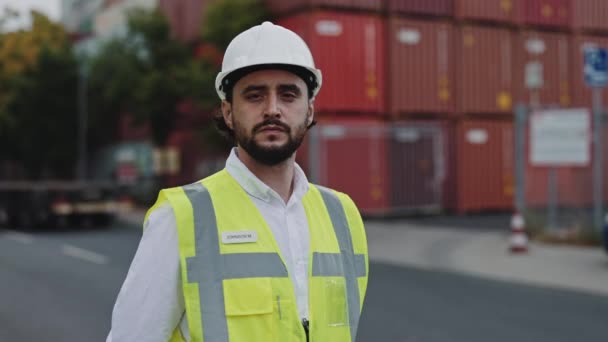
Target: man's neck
x=278 y=177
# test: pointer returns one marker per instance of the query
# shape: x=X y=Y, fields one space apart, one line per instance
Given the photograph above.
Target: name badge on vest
x=241 y=236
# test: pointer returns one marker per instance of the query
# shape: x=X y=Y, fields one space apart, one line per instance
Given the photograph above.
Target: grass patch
x=576 y=233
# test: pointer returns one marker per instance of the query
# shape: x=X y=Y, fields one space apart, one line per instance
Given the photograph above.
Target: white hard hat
x=268 y=46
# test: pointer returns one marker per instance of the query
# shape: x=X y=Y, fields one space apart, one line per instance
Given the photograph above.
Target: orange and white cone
x=518 y=243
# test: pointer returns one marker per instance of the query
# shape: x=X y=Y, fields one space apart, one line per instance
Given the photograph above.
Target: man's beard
x=269 y=156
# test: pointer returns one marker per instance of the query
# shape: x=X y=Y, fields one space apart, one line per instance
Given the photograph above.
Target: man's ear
x=311 y=113
x=227 y=113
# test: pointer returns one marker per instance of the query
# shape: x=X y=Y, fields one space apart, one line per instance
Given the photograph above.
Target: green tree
x=38 y=98
x=19 y=50
x=143 y=74
x=218 y=31
x=42 y=127
x=114 y=74
x=227 y=18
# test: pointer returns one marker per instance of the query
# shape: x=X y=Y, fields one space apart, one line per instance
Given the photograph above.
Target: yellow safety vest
x=242 y=292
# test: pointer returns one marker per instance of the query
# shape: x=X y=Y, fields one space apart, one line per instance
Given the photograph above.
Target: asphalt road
x=60 y=286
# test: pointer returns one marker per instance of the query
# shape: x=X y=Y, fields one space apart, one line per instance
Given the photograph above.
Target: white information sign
x=560 y=137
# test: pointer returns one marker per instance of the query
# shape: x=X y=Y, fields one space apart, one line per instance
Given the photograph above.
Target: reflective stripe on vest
x=352 y=265
x=209 y=267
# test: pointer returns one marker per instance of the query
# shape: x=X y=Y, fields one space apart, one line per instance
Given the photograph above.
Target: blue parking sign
x=596 y=67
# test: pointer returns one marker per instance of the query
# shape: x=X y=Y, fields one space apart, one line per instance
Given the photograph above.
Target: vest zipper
x=305 y=324
x=279 y=307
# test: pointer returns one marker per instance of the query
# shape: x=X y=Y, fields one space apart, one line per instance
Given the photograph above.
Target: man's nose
x=272 y=106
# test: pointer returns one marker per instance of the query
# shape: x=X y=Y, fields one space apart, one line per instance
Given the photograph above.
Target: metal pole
x=552 y=194
x=82 y=123
x=534 y=100
x=597 y=164
x=520 y=158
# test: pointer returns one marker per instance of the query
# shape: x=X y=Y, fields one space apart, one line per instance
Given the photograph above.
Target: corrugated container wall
x=421 y=76
x=417 y=159
x=537 y=191
x=484 y=165
x=591 y=15
x=350 y=51
x=581 y=93
x=484 y=70
x=279 y=7
x=503 y=11
x=350 y=156
x=185 y=17
x=430 y=7
x=548 y=13
x=552 y=51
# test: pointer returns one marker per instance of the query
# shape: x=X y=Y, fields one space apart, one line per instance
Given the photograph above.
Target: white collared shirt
x=150 y=304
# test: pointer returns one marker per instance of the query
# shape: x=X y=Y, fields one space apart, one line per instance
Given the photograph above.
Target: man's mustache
x=273 y=122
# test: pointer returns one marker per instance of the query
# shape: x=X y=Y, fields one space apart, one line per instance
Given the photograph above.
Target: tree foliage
x=147 y=73
x=20 y=51
x=227 y=18
x=38 y=84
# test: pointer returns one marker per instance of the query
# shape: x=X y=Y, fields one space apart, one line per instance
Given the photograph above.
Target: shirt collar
x=258 y=189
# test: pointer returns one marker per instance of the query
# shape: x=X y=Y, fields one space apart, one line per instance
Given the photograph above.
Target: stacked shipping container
x=347 y=151
x=484 y=70
x=184 y=16
x=459 y=64
x=552 y=50
x=421 y=66
x=353 y=81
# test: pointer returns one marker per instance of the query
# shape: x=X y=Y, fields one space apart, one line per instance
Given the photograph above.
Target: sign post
x=596 y=77
x=533 y=82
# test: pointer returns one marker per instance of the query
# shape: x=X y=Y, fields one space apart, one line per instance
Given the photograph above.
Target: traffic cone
x=518 y=243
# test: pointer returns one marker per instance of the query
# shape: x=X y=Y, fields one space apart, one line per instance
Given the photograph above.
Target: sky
x=52 y=8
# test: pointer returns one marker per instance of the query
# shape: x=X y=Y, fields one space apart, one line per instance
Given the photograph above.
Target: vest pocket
x=335 y=294
x=249 y=309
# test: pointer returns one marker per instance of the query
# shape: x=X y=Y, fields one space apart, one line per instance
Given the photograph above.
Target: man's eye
x=253 y=97
x=289 y=96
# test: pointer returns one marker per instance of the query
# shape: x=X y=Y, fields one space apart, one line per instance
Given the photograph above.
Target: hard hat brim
x=225 y=81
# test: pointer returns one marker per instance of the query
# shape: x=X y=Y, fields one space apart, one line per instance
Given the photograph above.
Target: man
x=253 y=252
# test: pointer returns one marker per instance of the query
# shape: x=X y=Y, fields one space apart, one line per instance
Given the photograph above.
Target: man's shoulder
x=344 y=198
x=199 y=184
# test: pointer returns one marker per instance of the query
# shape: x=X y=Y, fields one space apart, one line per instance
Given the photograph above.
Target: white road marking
x=83 y=254
x=20 y=237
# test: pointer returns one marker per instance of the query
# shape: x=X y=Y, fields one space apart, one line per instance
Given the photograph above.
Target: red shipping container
x=504 y=11
x=288 y=6
x=574 y=187
x=349 y=50
x=552 y=50
x=581 y=93
x=432 y=7
x=349 y=155
x=421 y=63
x=550 y=13
x=418 y=160
x=590 y=15
x=192 y=158
x=484 y=165
x=484 y=60
x=185 y=17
